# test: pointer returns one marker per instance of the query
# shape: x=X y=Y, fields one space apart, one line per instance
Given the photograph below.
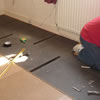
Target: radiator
x=73 y=14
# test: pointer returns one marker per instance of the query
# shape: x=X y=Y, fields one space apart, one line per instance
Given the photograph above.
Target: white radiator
x=73 y=14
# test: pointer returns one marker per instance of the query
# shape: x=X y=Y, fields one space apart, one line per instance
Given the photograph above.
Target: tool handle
x=93 y=93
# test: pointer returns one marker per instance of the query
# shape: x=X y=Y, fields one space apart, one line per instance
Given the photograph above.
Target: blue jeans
x=90 y=55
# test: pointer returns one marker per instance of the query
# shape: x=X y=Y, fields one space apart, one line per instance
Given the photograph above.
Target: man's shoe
x=77 y=48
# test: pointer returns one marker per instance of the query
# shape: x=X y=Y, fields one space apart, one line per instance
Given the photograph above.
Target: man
x=89 y=49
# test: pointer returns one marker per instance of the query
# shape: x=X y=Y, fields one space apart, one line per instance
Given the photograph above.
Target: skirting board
x=58 y=31
x=2 y=12
x=50 y=28
x=17 y=16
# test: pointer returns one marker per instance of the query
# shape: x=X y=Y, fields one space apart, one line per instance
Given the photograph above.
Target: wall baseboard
x=57 y=30
x=2 y=12
x=17 y=16
x=50 y=28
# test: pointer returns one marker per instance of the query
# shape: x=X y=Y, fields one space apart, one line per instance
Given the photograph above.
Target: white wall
x=1 y=7
x=18 y=8
x=38 y=13
x=36 y=10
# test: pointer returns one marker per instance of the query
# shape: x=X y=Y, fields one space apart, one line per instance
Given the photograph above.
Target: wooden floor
x=50 y=58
